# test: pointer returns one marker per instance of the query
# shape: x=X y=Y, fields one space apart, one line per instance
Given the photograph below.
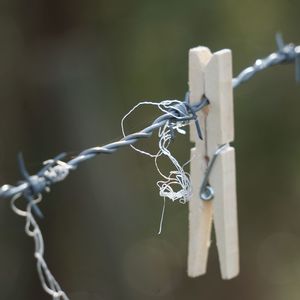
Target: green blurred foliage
x=69 y=71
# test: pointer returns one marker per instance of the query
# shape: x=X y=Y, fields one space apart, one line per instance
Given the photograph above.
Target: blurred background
x=69 y=71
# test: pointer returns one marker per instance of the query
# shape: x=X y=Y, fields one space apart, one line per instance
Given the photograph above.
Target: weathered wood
x=211 y=75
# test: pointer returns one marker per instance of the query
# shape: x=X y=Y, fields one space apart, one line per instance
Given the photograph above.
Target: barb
x=285 y=54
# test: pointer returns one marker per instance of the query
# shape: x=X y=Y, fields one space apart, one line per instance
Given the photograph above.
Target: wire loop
x=32 y=229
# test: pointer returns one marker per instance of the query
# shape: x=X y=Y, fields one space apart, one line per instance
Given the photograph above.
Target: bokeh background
x=69 y=71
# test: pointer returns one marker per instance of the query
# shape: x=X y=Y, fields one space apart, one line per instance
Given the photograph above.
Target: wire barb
x=286 y=53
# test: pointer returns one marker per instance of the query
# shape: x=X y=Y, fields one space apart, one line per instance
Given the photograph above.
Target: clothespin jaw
x=210 y=75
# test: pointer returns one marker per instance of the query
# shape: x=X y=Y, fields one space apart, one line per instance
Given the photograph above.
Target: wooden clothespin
x=210 y=75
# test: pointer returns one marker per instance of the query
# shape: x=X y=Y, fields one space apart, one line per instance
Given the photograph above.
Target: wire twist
x=285 y=54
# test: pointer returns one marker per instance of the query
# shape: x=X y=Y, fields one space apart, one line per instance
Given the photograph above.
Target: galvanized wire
x=286 y=54
x=56 y=170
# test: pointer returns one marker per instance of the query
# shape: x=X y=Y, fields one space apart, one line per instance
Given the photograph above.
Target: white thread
x=176 y=185
x=162 y=216
x=49 y=284
x=165 y=106
x=178 y=178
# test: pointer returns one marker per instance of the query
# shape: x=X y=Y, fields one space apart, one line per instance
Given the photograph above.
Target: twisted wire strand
x=285 y=54
x=56 y=170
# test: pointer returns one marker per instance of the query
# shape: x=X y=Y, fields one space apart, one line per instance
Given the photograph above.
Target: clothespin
x=213 y=164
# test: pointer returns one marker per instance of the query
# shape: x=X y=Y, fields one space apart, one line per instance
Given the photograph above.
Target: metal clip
x=206 y=191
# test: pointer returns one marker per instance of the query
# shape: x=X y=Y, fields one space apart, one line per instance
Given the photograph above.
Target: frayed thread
x=176 y=185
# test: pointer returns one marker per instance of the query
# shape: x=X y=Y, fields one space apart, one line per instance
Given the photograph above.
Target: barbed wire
x=285 y=54
x=56 y=170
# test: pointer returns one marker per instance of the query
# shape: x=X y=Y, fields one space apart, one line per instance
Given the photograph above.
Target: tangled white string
x=167 y=106
x=32 y=229
x=176 y=185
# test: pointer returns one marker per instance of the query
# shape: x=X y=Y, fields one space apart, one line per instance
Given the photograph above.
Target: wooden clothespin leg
x=210 y=75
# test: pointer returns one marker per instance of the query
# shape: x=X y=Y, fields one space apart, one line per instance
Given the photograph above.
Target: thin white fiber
x=175 y=184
